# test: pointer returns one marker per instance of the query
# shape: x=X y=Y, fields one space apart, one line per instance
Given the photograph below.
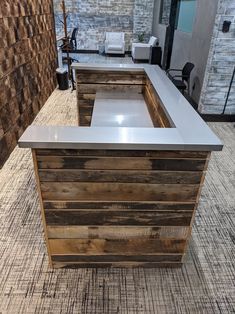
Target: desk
x=114 y=195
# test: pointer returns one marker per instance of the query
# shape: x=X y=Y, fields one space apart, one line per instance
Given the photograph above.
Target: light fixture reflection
x=119 y=118
x=124 y=135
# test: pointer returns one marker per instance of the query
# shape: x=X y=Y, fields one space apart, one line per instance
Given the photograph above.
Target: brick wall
x=27 y=66
x=220 y=64
x=94 y=18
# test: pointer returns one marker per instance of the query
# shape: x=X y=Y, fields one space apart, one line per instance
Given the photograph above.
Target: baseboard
x=114 y=55
x=211 y=117
x=140 y=61
x=82 y=51
x=218 y=117
x=90 y=51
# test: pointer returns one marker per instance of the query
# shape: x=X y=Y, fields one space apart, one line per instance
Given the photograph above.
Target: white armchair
x=141 y=51
x=115 y=43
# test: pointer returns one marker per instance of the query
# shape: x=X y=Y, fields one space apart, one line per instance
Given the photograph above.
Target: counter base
x=114 y=208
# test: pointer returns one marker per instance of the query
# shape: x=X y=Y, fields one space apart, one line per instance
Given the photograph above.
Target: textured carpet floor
x=205 y=284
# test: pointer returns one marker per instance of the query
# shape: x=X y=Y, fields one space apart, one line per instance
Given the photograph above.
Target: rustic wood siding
x=118 y=208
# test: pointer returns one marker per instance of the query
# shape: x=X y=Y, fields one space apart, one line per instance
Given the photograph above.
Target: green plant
x=141 y=37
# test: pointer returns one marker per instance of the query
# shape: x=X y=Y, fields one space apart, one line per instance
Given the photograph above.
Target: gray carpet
x=205 y=284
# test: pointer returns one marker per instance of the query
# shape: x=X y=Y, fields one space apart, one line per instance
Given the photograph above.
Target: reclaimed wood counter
x=119 y=196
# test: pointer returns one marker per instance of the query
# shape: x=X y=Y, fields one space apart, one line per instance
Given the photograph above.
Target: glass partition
x=186 y=15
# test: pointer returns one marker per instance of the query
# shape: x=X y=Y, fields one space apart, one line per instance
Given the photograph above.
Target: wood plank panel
x=120 y=247
x=118 y=191
x=116 y=232
x=116 y=163
x=86 y=97
x=84 y=120
x=111 y=72
x=155 y=107
x=152 y=108
x=85 y=110
x=139 y=208
x=165 y=177
x=94 y=88
x=41 y=204
x=117 y=265
x=122 y=218
x=165 y=117
x=85 y=102
x=111 y=78
x=123 y=153
x=160 y=258
x=97 y=205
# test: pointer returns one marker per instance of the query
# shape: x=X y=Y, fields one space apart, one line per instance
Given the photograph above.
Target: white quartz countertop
x=189 y=131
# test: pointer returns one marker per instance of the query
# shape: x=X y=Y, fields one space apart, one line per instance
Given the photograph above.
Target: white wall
x=158 y=30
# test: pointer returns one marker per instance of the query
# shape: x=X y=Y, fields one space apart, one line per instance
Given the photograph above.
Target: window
x=186 y=13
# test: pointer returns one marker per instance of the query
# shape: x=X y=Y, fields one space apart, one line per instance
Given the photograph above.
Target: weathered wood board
x=111 y=208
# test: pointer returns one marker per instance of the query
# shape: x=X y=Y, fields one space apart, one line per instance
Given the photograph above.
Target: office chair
x=183 y=83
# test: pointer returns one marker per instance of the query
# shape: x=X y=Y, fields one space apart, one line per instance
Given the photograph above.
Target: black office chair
x=183 y=83
x=73 y=39
x=70 y=43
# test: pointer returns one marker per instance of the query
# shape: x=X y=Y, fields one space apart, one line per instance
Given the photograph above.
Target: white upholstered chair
x=141 y=51
x=115 y=43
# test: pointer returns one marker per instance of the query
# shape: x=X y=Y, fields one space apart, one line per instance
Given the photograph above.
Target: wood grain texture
x=124 y=153
x=117 y=163
x=85 y=110
x=118 y=206
x=118 y=191
x=84 y=120
x=94 y=88
x=116 y=232
x=117 y=265
x=157 y=177
x=111 y=78
x=123 y=218
x=41 y=205
x=150 y=196
x=155 y=107
x=161 y=258
x=120 y=246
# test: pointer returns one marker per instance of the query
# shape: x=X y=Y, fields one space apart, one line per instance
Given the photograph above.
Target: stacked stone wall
x=94 y=18
x=220 y=64
x=27 y=66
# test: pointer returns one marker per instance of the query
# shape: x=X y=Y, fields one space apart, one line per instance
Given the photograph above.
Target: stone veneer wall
x=143 y=18
x=94 y=18
x=220 y=64
x=165 y=10
x=27 y=66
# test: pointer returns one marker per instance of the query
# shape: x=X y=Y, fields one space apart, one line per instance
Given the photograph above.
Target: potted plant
x=141 y=37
